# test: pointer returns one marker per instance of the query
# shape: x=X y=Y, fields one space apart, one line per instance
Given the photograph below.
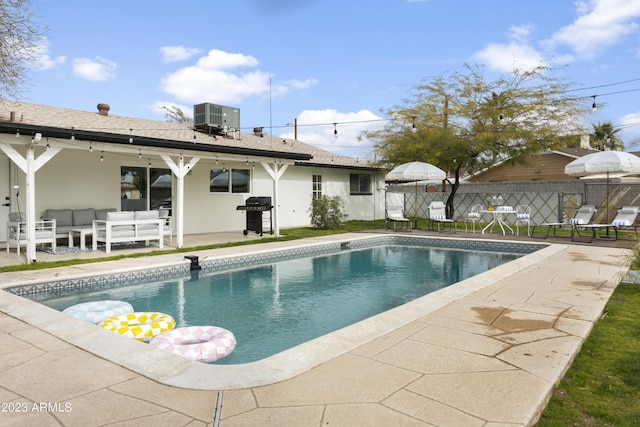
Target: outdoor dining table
x=499 y=218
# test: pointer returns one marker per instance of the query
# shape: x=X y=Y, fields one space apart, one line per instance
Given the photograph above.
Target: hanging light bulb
x=48 y=146
x=414 y=129
x=335 y=130
x=17 y=133
x=130 y=136
x=194 y=136
x=91 y=146
x=73 y=135
x=149 y=162
x=594 y=106
x=102 y=156
x=139 y=153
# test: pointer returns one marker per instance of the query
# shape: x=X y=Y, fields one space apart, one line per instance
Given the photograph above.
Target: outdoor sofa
x=128 y=226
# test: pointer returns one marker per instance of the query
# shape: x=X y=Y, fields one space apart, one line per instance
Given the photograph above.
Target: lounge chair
x=625 y=220
x=472 y=217
x=396 y=216
x=437 y=215
x=584 y=215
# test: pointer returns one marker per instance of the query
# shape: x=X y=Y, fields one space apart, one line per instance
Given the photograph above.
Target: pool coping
x=170 y=369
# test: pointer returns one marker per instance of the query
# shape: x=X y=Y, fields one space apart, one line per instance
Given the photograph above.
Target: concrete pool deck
x=489 y=355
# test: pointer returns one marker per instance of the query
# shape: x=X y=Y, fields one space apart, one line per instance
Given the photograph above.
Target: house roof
x=56 y=122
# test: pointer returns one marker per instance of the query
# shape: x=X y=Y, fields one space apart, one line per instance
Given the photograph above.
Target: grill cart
x=258 y=211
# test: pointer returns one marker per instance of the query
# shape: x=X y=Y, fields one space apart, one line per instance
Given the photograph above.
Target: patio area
x=489 y=357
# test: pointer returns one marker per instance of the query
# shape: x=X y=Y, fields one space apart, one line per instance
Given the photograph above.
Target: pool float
x=142 y=326
x=98 y=311
x=200 y=343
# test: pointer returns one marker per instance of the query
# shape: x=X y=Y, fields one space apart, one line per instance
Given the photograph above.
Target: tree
x=19 y=36
x=604 y=137
x=465 y=123
x=176 y=115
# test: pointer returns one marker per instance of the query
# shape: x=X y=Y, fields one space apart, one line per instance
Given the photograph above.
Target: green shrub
x=327 y=212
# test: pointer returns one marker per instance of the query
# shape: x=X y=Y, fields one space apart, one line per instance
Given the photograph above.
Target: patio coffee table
x=84 y=232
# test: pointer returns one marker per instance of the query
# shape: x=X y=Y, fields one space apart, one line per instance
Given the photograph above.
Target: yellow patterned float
x=142 y=326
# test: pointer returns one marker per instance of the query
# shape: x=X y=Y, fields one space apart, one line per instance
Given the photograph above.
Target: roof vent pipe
x=103 y=109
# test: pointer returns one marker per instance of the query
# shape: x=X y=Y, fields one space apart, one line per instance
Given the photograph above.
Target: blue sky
x=325 y=61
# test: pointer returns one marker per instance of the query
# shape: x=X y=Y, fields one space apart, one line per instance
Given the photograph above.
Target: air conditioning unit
x=216 y=118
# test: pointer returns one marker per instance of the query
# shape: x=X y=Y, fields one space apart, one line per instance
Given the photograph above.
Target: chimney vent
x=103 y=109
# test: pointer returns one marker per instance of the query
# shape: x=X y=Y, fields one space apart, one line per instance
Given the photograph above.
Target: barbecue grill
x=255 y=207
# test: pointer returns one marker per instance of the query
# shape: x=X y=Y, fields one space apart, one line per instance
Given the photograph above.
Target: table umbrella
x=416 y=172
x=605 y=162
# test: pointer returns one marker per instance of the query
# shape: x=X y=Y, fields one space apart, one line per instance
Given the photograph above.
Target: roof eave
x=84 y=135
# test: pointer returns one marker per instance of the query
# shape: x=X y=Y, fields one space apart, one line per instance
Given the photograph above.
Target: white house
x=53 y=158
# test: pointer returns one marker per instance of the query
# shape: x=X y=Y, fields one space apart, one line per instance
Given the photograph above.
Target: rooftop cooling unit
x=216 y=119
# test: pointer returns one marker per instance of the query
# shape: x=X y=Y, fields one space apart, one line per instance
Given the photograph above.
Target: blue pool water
x=273 y=307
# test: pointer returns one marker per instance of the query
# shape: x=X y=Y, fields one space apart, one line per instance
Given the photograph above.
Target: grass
x=602 y=387
x=286 y=235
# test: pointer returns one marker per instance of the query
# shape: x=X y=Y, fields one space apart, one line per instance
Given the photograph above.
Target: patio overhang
x=142 y=141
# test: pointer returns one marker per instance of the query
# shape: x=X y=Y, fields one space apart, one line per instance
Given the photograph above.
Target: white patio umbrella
x=617 y=163
x=418 y=172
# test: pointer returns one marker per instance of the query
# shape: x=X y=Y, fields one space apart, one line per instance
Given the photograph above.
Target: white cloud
x=630 y=126
x=600 y=24
x=218 y=77
x=43 y=60
x=510 y=56
x=178 y=53
x=94 y=70
x=316 y=127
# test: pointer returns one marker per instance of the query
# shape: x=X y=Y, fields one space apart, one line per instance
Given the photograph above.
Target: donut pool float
x=204 y=344
x=142 y=326
x=98 y=311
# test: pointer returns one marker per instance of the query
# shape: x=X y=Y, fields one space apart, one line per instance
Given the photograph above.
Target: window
x=229 y=180
x=317 y=186
x=160 y=188
x=133 y=188
x=360 y=183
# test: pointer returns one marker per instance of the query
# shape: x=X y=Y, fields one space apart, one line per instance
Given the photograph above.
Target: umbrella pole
x=415 y=207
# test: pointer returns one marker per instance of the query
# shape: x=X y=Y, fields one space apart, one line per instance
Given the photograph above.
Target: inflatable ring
x=200 y=343
x=98 y=311
x=142 y=326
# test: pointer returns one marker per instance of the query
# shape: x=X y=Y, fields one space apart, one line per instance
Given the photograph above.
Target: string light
x=17 y=133
x=91 y=146
x=335 y=130
x=48 y=146
x=139 y=153
x=130 y=136
x=102 y=156
x=73 y=135
x=594 y=107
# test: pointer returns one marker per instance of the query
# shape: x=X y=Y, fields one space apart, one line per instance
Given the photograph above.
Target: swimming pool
x=272 y=307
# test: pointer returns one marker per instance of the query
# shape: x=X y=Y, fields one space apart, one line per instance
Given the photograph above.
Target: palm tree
x=604 y=137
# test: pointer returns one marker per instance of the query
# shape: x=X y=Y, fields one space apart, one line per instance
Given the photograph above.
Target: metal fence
x=555 y=201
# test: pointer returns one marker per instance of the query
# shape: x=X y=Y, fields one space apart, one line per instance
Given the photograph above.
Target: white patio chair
x=472 y=217
x=17 y=232
x=523 y=216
